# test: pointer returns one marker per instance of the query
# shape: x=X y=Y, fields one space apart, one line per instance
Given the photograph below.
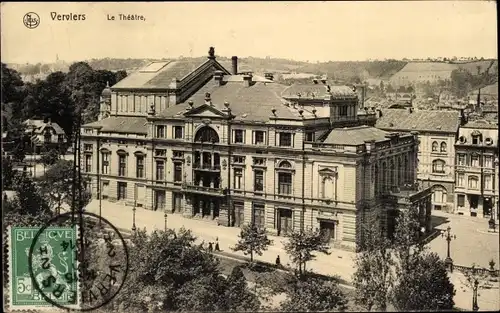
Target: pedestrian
x=278 y=261
x=217 y=248
x=210 y=247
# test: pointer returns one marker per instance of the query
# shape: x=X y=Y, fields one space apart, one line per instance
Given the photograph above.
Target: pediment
x=328 y=172
x=205 y=111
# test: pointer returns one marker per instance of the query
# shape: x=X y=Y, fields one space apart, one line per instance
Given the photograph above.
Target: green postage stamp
x=54 y=268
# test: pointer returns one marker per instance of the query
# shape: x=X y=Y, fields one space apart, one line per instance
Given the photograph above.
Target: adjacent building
x=45 y=134
x=233 y=148
x=437 y=134
x=476 y=188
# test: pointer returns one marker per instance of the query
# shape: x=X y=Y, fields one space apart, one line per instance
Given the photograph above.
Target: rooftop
x=419 y=120
x=121 y=124
x=480 y=125
x=354 y=135
x=160 y=74
x=312 y=91
x=39 y=126
x=253 y=103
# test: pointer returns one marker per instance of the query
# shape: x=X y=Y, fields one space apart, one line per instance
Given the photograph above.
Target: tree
x=50 y=157
x=373 y=278
x=168 y=272
x=238 y=296
x=315 y=295
x=253 y=239
x=426 y=287
x=7 y=172
x=29 y=199
x=57 y=184
x=422 y=280
x=120 y=75
x=302 y=244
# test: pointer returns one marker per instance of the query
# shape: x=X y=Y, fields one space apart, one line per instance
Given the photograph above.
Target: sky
x=303 y=31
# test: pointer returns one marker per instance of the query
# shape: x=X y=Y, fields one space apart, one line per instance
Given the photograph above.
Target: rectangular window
x=475 y=161
x=259 y=137
x=122 y=190
x=239 y=136
x=461 y=159
x=258 y=181
x=487 y=162
x=88 y=163
x=238 y=177
x=177 y=172
x=237 y=159
x=310 y=136
x=343 y=110
x=475 y=140
x=105 y=163
x=178 y=154
x=105 y=190
x=160 y=131
x=487 y=182
x=285 y=183
x=178 y=132
x=258 y=215
x=285 y=139
x=122 y=165
x=460 y=180
x=139 y=163
x=88 y=130
x=60 y=138
x=87 y=147
x=461 y=200
x=160 y=170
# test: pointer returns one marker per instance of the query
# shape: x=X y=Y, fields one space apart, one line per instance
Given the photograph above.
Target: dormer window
x=476 y=137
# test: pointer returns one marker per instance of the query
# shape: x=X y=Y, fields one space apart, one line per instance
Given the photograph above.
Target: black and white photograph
x=267 y=156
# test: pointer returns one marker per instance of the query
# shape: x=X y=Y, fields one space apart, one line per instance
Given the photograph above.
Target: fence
x=479 y=270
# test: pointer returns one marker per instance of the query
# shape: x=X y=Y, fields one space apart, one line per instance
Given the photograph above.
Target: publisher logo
x=31 y=20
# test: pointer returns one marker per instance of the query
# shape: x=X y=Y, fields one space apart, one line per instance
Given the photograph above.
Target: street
x=470 y=245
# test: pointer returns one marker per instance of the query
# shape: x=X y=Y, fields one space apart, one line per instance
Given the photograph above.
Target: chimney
x=218 y=77
x=247 y=79
x=234 y=60
x=269 y=76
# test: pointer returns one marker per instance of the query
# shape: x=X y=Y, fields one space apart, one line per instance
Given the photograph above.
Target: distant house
x=44 y=134
x=402 y=98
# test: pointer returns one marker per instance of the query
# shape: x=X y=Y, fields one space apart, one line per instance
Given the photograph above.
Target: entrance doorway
x=473 y=200
x=327 y=228
x=238 y=217
x=487 y=206
x=159 y=200
x=284 y=221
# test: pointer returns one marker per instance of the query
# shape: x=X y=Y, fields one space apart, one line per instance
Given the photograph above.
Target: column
x=212 y=207
x=201 y=207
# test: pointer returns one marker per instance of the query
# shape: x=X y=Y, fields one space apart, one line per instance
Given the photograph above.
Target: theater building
x=233 y=148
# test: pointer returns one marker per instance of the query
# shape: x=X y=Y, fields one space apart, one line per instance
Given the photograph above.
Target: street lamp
x=448 y=261
x=475 y=307
x=133 y=217
x=166 y=217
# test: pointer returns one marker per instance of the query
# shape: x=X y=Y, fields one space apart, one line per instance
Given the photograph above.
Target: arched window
x=439 y=194
x=383 y=183
x=285 y=164
x=206 y=134
x=406 y=170
x=400 y=172
x=443 y=147
x=375 y=179
x=473 y=182
x=434 y=146
x=122 y=162
x=392 y=175
x=438 y=166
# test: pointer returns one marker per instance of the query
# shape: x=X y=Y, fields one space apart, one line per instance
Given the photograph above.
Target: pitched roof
x=480 y=124
x=354 y=135
x=39 y=126
x=419 y=120
x=121 y=124
x=160 y=74
x=317 y=91
x=252 y=103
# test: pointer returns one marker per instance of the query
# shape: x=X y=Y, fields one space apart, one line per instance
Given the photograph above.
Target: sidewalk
x=339 y=262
